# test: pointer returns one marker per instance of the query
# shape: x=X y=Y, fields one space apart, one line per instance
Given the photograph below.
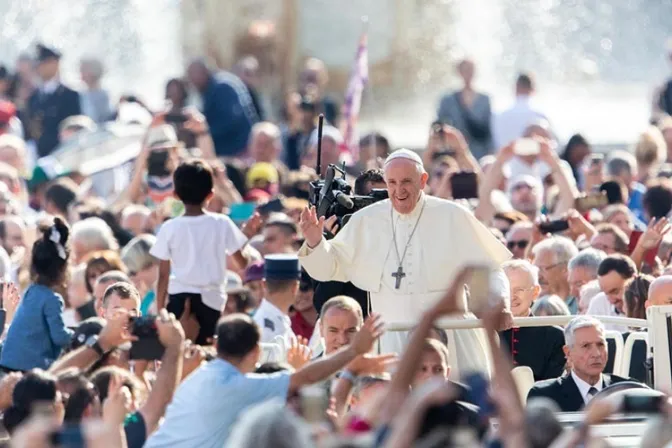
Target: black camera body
x=147 y=346
x=332 y=196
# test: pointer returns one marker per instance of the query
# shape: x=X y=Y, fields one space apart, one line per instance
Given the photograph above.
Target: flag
x=353 y=98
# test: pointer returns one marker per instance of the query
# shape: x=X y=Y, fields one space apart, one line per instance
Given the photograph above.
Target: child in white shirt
x=195 y=247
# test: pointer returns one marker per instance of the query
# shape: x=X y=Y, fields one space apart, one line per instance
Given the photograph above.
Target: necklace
x=399 y=273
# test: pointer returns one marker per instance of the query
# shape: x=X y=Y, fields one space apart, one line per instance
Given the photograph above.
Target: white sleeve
x=235 y=238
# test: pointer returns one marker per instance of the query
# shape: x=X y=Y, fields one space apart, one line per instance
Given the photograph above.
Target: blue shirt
x=230 y=113
x=636 y=203
x=37 y=332
x=208 y=403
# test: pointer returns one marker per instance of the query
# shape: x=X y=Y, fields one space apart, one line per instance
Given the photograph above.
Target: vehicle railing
x=541 y=321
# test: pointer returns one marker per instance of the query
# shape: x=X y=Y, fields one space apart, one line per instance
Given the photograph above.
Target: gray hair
x=589 y=259
x=94 y=234
x=270 y=424
x=523 y=265
x=136 y=254
x=620 y=161
x=543 y=427
x=588 y=292
x=550 y=305
x=581 y=322
x=563 y=248
x=265 y=128
x=93 y=66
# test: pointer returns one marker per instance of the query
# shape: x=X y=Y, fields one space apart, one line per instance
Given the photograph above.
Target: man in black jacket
x=586 y=351
x=49 y=105
x=539 y=348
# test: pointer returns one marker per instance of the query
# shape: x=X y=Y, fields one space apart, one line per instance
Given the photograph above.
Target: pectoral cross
x=398 y=276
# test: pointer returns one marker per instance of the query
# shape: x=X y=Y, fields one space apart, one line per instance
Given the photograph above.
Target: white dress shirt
x=585 y=387
x=50 y=86
x=600 y=306
x=510 y=124
x=275 y=326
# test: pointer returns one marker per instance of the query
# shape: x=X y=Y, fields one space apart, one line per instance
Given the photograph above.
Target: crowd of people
x=208 y=302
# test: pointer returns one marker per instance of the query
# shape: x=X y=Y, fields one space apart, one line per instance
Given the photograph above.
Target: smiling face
x=405 y=180
x=339 y=326
x=523 y=291
x=613 y=285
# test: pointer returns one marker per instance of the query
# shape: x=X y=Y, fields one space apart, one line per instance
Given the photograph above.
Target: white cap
x=404 y=154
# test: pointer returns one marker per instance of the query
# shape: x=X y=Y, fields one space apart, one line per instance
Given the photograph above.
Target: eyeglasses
x=522 y=244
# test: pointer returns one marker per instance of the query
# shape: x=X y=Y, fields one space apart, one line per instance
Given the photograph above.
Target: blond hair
x=650 y=148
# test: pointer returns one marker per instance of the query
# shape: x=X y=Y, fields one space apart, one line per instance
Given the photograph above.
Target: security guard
x=282 y=273
x=52 y=103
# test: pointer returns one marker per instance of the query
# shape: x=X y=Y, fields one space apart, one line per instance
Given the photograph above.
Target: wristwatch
x=93 y=344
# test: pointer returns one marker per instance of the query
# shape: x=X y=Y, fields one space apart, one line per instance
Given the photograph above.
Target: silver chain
x=394 y=233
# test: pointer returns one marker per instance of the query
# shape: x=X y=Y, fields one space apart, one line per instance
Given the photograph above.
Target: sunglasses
x=522 y=244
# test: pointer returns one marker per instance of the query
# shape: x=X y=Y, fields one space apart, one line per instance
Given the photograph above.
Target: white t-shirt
x=197 y=247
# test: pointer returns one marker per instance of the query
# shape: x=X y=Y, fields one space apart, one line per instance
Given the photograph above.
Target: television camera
x=332 y=196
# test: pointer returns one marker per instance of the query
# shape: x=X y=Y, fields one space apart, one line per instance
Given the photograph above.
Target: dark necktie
x=591 y=393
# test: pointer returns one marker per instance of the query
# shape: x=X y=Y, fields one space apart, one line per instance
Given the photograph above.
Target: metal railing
x=543 y=321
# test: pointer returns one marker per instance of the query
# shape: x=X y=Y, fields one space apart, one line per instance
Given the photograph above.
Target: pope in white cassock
x=405 y=251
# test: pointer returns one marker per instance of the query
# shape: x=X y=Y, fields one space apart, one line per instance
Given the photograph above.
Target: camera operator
x=367 y=181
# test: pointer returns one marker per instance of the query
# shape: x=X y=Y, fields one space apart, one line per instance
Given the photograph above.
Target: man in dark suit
x=539 y=348
x=586 y=351
x=49 y=105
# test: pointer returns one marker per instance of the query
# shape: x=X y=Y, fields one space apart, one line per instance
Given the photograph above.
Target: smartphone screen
x=272 y=206
x=464 y=185
x=554 y=226
x=526 y=147
x=643 y=404
x=592 y=201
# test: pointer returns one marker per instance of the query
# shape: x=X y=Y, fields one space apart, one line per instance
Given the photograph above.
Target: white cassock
x=448 y=237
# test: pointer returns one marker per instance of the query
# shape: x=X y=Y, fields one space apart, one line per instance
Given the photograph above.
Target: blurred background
x=597 y=62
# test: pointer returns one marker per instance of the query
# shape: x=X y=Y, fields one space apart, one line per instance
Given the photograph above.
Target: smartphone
x=176 y=118
x=478 y=286
x=147 y=346
x=314 y=402
x=242 y=212
x=643 y=404
x=464 y=185
x=68 y=437
x=556 y=226
x=526 y=147
x=157 y=163
x=593 y=200
x=478 y=394
x=272 y=206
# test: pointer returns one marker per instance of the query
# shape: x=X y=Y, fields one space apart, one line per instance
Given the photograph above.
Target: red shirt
x=301 y=327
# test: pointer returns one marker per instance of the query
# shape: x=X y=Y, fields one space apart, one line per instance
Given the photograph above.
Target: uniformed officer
x=282 y=273
x=52 y=103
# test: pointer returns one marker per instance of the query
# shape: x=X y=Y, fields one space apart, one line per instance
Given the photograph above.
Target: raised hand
x=455 y=140
x=196 y=122
x=116 y=331
x=299 y=353
x=450 y=302
x=194 y=355
x=370 y=332
x=370 y=365
x=253 y=225
x=169 y=329
x=546 y=153
x=118 y=402
x=10 y=298
x=311 y=227
x=655 y=232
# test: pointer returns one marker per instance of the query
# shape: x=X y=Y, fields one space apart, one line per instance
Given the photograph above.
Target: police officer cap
x=282 y=267
x=45 y=53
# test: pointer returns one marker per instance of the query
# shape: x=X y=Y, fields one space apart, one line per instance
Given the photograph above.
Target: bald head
x=660 y=291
